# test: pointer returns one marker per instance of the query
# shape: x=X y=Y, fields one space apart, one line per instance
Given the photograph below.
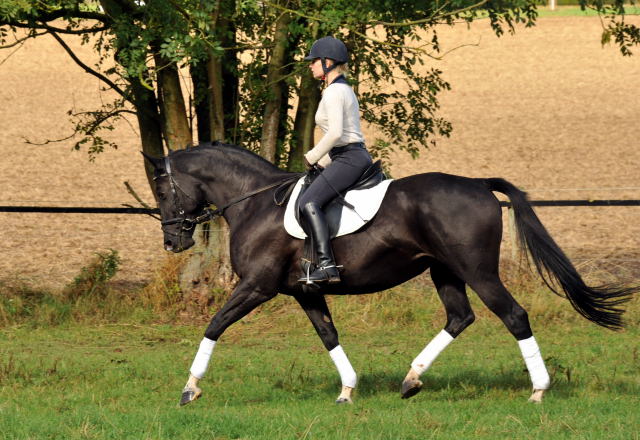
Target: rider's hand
x=307 y=165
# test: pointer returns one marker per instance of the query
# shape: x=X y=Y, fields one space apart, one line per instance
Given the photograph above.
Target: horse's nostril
x=168 y=245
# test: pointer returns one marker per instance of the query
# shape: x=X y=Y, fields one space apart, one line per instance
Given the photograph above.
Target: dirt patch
x=548 y=109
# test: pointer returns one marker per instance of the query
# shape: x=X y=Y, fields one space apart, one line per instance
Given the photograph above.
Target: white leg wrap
x=347 y=373
x=533 y=359
x=426 y=357
x=201 y=361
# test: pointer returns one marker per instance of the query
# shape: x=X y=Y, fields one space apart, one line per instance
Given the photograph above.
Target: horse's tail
x=598 y=304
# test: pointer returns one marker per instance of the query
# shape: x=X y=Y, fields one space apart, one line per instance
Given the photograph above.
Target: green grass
x=270 y=377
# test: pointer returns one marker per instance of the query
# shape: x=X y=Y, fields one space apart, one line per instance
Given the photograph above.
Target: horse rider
x=340 y=153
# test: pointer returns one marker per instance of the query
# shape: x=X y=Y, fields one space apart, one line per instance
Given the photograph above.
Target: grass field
x=270 y=377
x=575 y=11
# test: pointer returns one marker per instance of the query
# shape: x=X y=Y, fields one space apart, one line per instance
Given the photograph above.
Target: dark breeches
x=347 y=165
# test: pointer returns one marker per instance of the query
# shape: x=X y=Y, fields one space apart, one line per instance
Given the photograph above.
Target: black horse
x=449 y=224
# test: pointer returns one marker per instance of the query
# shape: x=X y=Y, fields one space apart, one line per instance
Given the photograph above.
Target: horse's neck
x=228 y=174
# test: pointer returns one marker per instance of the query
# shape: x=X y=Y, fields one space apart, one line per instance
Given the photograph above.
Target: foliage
x=20 y=303
x=93 y=278
x=89 y=292
x=94 y=297
x=624 y=34
x=388 y=40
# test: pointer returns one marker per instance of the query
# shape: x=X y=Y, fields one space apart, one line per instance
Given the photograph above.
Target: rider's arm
x=334 y=101
x=324 y=161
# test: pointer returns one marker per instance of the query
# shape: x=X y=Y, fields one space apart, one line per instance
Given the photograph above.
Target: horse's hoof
x=342 y=400
x=189 y=395
x=536 y=397
x=410 y=388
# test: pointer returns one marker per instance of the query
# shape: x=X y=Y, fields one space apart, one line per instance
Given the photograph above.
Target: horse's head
x=180 y=199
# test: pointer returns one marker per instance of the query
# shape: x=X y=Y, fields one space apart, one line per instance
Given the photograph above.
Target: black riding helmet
x=329 y=47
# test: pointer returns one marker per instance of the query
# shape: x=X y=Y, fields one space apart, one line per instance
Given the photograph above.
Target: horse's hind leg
x=498 y=299
x=451 y=290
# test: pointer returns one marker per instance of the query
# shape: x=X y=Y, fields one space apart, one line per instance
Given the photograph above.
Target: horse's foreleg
x=316 y=309
x=451 y=290
x=191 y=391
x=244 y=299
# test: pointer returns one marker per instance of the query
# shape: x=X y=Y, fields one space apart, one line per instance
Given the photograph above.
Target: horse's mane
x=244 y=156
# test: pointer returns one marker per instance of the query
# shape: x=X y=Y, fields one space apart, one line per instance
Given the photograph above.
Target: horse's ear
x=154 y=161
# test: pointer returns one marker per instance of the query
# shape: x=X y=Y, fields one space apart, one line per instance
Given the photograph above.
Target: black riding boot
x=317 y=225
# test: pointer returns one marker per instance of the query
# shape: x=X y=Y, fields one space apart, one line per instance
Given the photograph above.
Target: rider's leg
x=343 y=172
x=317 y=225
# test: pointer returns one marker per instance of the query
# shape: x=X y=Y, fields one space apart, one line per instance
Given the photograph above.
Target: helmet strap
x=326 y=69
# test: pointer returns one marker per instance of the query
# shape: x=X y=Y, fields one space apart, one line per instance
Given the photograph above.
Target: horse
x=449 y=224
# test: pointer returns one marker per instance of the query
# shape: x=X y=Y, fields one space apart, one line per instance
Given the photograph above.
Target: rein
x=186 y=224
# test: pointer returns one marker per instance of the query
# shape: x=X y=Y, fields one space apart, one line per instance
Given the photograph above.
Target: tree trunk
x=208 y=273
x=275 y=89
x=230 y=90
x=216 y=109
x=226 y=31
x=283 y=129
x=304 y=124
x=201 y=100
x=144 y=100
x=149 y=124
x=177 y=133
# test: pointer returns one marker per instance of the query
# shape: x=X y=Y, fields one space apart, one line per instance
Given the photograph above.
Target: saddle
x=349 y=211
x=345 y=214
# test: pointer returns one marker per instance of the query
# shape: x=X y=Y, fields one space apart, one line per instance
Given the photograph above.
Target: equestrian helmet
x=329 y=47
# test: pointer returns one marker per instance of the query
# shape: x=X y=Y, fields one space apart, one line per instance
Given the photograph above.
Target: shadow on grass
x=463 y=385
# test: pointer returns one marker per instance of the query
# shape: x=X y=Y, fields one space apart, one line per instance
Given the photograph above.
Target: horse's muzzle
x=176 y=246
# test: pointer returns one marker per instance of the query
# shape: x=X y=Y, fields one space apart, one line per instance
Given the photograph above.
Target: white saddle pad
x=365 y=201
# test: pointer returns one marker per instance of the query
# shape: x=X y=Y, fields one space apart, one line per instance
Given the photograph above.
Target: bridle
x=185 y=223
x=188 y=223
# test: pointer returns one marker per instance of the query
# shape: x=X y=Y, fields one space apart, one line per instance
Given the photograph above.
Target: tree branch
x=293 y=11
x=43 y=16
x=375 y=40
x=22 y=40
x=89 y=132
x=138 y=198
x=89 y=69
x=74 y=13
x=45 y=26
x=434 y=16
x=49 y=141
x=14 y=51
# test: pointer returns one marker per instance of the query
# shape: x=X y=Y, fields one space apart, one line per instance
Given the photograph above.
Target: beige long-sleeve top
x=338 y=117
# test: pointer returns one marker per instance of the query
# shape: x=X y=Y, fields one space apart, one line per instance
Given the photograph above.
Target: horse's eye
x=162 y=196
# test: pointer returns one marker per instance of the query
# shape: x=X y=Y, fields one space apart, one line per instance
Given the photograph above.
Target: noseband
x=187 y=224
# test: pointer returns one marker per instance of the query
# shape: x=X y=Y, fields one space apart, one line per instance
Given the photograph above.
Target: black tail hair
x=598 y=304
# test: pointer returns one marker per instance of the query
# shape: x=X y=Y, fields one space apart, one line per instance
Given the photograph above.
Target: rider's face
x=316 y=68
